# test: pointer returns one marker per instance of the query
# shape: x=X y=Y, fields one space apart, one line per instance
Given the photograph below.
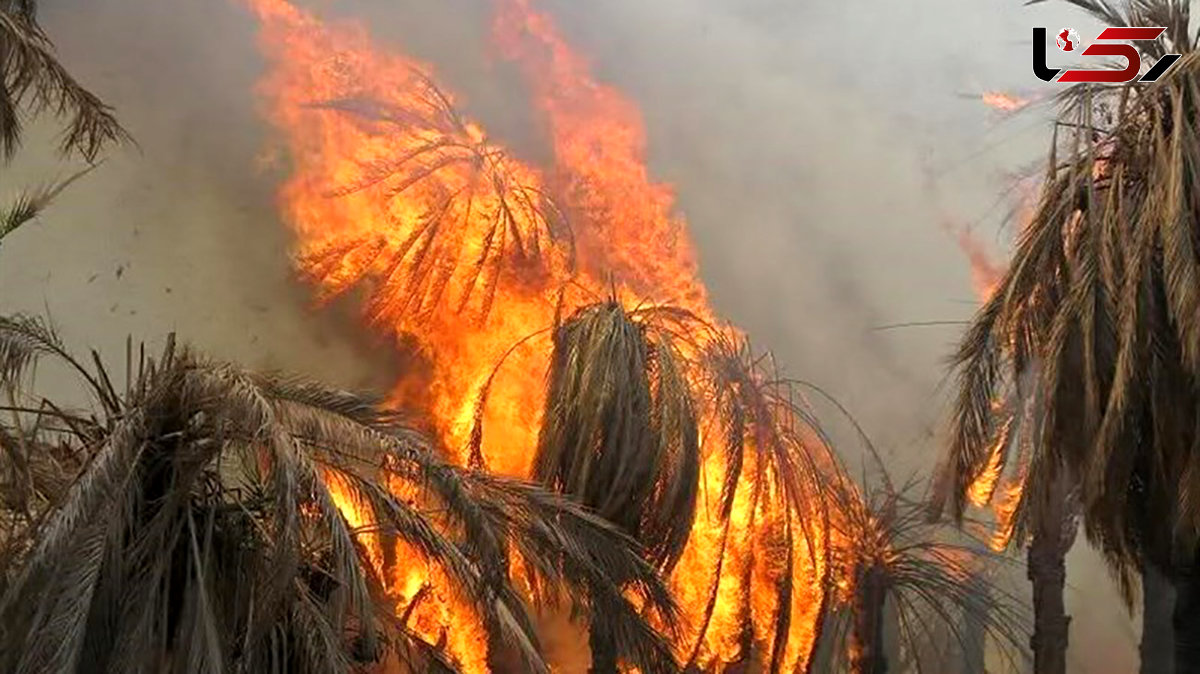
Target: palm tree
x=627 y=392
x=936 y=580
x=207 y=518
x=1093 y=336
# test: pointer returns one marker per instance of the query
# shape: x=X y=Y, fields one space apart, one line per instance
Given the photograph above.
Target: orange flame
x=985 y=272
x=981 y=490
x=1003 y=510
x=986 y=275
x=464 y=255
x=1004 y=101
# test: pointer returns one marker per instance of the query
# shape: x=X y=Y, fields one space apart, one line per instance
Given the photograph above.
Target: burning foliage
x=933 y=587
x=1004 y=101
x=682 y=392
x=620 y=431
x=628 y=395
x=220 y=518
x=471 y=192
x=1092 y=336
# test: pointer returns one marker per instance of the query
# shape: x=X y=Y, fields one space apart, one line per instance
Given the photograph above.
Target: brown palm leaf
x=29 y=204
x=627 y=389
x=619 y=431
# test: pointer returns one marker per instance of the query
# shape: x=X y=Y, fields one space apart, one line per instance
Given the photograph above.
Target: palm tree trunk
x=1158 y=601
x=1053 y=537
x=1186 y=619
x=867 y=655
x=890 y=635
x=1047 y=573
x=604 y=653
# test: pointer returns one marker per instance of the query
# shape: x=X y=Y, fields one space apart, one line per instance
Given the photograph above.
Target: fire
x=985 y=272
x=1004 y=101
x=466 y=254
x=599 y=143
x=986 y=275
x=1003 y=509
x=980 y=492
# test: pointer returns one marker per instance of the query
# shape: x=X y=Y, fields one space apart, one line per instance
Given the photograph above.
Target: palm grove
x=188 y=518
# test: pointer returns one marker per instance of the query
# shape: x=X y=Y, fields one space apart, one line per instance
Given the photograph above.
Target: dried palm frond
x=206 y=529
x=1092 y=339
x=481 y=215
x=30 y=75
x=619 y=431
x=938 y=581
x=30 y=203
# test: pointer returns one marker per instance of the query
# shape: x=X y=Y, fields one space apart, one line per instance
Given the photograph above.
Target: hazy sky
x=819 y=148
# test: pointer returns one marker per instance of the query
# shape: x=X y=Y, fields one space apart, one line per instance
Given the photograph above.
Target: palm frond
x=30 y=75
x=773 y=444
x=619 y=431
x=468 y=190
x=210 y=527
x=30 y=203
x=937 y=580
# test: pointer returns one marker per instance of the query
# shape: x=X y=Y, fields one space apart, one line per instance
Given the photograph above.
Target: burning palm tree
x=940 y=584
x=1093 y=332
x=628 y=393
x=485 y=215
x=206 y=517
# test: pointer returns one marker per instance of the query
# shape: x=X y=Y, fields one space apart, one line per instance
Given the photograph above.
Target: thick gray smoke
x=819 y=149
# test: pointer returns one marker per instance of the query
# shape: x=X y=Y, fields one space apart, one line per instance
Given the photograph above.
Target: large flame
x=468 y=257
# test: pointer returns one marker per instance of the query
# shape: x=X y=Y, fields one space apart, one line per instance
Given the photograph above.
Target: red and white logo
x=1068 y=39
x=1112 y=41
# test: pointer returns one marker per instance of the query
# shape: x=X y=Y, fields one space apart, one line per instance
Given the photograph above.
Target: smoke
x=819 y=149
x=178 y=233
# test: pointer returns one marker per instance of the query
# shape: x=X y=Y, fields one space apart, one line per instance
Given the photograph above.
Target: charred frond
x=32 y=78
x=466 y=216
x=1092 y=340
x=205 y=528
